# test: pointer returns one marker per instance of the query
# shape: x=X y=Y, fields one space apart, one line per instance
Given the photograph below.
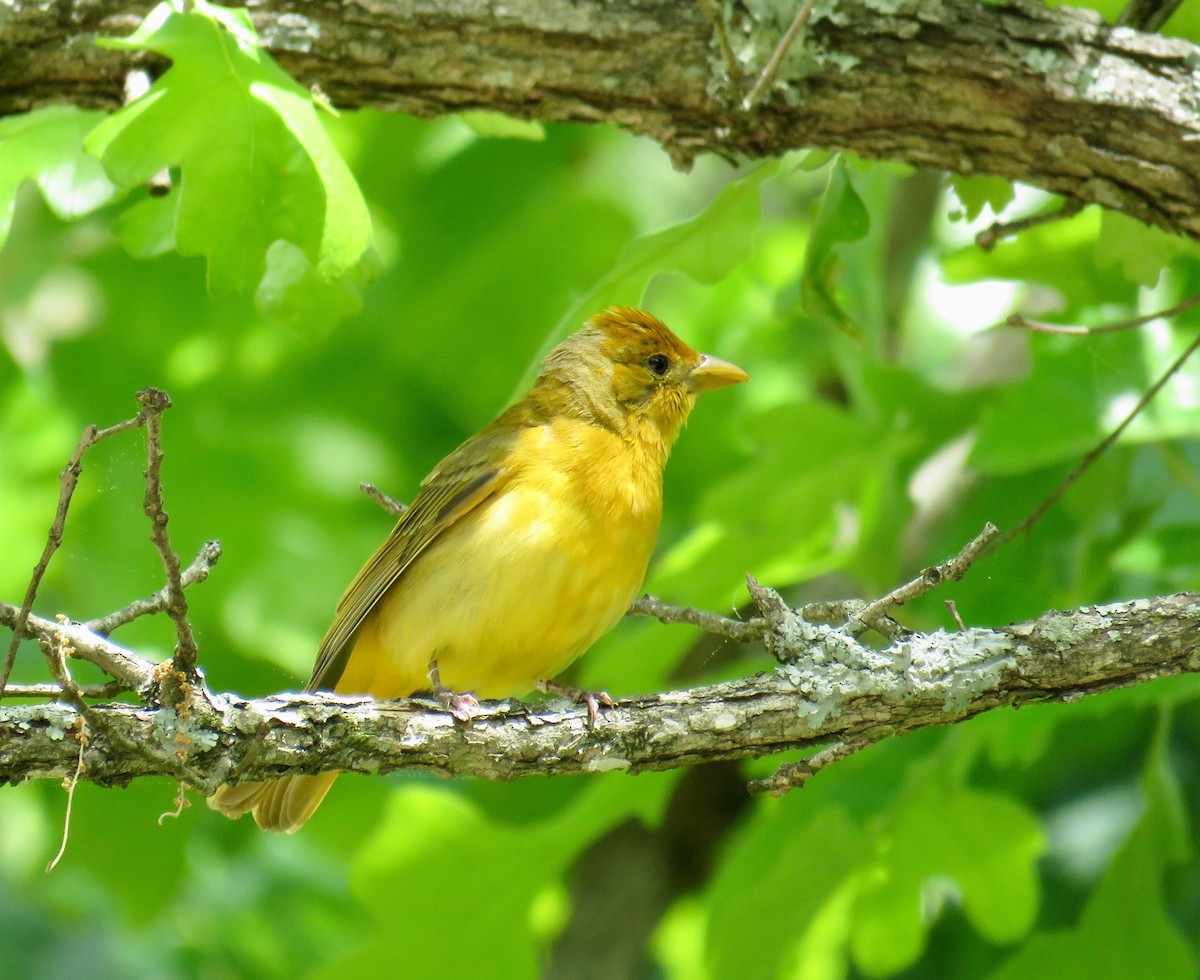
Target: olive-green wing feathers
x=460 y=483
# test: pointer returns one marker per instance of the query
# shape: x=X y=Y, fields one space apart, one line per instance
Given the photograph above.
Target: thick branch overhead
x=831 y=689
x=1053 y=97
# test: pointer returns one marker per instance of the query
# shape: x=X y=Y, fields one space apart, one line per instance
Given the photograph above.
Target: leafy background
x=889 y=417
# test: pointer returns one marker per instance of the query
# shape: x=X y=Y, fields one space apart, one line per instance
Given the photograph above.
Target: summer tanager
x=523 y=546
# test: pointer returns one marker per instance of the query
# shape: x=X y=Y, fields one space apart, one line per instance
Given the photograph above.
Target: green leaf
x=840 y=217
x=705 y=248
x=1125 y=931
x=1063 y=408
x=522 y=864
x=292 y=293
x=1140 y=250
x=256 y=165
x=779 y=873
x=346 y=228
x=147 y=229
x=46 y=146
x=814 y=159
x=497 y=125
x=980 y=847
x=976 y=192
x=793 y=517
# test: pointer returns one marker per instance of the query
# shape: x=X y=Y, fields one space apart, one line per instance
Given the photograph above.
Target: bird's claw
x=593 y=699
x=464 y=706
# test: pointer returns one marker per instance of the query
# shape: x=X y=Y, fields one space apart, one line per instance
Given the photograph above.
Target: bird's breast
x=526 y=581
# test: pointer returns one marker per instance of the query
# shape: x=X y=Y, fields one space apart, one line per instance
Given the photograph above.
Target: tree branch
x=1053 y=97
x=832 y=696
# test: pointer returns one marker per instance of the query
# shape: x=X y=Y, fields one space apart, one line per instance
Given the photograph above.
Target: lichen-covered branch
x=831 y=691
x=1053 y=97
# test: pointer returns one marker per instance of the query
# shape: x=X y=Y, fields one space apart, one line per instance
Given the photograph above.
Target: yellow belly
x=513 y=592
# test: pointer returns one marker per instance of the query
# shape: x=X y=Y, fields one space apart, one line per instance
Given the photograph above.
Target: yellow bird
x=524 y=545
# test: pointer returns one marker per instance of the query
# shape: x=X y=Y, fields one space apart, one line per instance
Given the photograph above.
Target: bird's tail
x=282 y=805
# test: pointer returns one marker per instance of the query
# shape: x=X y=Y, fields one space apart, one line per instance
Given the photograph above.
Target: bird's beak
x=712 y=372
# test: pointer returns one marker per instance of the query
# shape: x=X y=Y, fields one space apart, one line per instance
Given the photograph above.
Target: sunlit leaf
x=46 y=146
x=497 y=125
x=1141 y=251
x=976 y=193
x=255 y=164
x=704 y=248
x=840 y=217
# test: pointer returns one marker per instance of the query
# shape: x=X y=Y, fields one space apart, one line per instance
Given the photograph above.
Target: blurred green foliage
x=889 y=417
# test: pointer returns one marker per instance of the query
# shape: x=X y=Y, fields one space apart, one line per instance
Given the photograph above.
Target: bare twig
x=1086 y=463
x=68 y=480
x=733 y=69
x=197 y=571
x=832 y=611
x=1147 y=15
x=764 y=80
x=69 y=785
x=949 y=571
x=393 y=506
x=794 y=775
x=958 y=620
x=58 y=648
x=154 y=403
x=1038 y=326
x=769 y=602
x=42 y=692
x=744 y=631
x=128 y=668
x=990 y=236
x=57 y=652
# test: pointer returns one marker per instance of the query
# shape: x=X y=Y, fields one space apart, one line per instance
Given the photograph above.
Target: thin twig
x=393 y=506
x=1038 y=326
x=154 y=403
x=733 y=68
x=57 y=652
x=769 y=602
x=197 y=571
x=69 y=785
x=127 y=667
x=41 y=692
x=1147 y=15
x=950 y=570
x=832 y=612
x=794 y=775
x=1086 y=463
x=953 y=607
x=68 y=480
x=763 y=82
x=988 y=238
x=744 y=631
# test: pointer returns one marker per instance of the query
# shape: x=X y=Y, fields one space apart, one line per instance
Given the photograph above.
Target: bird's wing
x=461 y=482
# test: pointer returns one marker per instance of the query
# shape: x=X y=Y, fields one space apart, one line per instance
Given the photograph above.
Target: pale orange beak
x=712 y=372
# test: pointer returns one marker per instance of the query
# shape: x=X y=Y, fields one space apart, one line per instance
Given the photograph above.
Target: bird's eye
x=658 y=363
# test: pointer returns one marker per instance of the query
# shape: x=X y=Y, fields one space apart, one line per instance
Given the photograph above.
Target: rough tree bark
x=1056 y=98
x=831 y=691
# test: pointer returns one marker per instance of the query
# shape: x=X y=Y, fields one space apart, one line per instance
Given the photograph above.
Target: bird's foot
x=593 y=699
x=464 y=706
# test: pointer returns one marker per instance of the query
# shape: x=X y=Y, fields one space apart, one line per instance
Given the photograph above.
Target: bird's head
x=625 y=370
